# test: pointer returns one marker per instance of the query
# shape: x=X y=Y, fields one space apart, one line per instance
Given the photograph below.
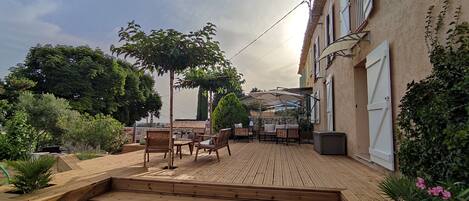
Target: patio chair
x=290 y=131
x=215 y=143
x=241 y=132
x=280 y=132
x=156 y=142
x=269 y=131
x=293 y=132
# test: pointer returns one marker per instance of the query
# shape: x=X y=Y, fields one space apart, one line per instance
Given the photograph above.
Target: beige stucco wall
x=401 y=22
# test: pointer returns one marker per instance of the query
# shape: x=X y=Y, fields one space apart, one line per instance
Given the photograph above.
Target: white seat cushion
x=206 y=142
x=279 y=126
x=292 y=125
x=269 y=127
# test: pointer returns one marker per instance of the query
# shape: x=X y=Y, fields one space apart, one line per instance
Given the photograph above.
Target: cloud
x=23 y=28
x=270 y=62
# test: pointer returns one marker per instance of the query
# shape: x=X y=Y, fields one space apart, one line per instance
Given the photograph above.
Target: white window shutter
x=344 y=17
x=330 y=103
x=367 y=7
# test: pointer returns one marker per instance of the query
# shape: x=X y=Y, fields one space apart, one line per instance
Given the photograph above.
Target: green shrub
x=33 y=174
x=228 y=112
x=20 y=138
x=85 y=132
x=434 y=118
x=108 y=132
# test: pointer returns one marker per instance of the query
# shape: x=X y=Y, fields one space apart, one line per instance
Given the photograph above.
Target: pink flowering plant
x=401 y=188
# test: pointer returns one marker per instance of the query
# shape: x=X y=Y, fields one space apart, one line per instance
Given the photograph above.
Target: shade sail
x=342 y=44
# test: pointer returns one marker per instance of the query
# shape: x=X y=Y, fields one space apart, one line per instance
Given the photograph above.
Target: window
x=362 y=10
x=329 y=30
x=344 y=17
x=316 y=66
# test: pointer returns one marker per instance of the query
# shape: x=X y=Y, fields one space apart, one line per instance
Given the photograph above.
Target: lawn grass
x=87 y=155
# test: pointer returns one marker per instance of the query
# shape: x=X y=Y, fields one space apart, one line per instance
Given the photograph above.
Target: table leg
x=191 y=147
x=180 y=151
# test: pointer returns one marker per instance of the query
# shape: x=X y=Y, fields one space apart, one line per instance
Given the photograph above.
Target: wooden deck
x=251 y=163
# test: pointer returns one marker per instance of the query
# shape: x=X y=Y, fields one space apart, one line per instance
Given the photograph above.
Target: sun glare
x=296 y=26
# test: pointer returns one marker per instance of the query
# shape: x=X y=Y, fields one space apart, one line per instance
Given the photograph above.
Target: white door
x=379 y=106
x=330 y=103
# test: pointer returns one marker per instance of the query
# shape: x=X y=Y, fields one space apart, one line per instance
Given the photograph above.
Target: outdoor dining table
x=178 y=143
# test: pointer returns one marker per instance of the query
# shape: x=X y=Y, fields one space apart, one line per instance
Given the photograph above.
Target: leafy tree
x=169 y=51
x=92 y=81
x=434 y=118
x=232 y=86
x=216 y=79
x=139 y=98
x=43 y=113
x=228 y=112
x=13 y=85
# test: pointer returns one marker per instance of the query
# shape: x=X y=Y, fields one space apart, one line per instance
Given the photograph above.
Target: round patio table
x=178 y=143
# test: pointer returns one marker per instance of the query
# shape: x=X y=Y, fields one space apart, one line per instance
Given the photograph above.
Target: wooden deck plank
x=286 y=174
x=278 y=177
x=295 y=176
x=262 y=170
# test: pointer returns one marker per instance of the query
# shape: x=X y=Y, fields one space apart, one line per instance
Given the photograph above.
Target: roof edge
x=314 y=15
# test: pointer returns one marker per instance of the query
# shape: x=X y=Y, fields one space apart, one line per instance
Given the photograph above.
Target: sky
x=269 y=63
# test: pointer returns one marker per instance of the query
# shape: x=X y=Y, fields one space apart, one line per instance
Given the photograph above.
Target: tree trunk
x=202 y=107
x=171 y=83
x=211 y=102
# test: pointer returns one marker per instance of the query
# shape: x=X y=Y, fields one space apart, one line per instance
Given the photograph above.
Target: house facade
x=358 y=92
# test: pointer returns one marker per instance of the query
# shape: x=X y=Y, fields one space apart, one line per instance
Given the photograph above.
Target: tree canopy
x=220 y=80
x=166 y=50
x=92 y=81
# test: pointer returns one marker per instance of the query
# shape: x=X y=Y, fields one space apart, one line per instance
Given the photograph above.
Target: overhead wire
x=267 y=30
